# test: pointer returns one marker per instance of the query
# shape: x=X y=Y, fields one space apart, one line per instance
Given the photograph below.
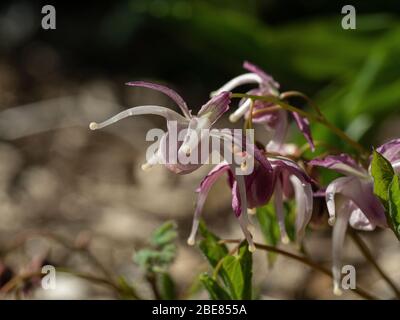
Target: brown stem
x=288 y=94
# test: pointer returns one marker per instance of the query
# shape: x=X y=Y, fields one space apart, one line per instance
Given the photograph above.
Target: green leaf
x=394 y=205
x=166 y=286
x=246 y=262
x=386 y=188
x=165 y=234
x=238 y=268
x=210 y=246
x=231 y=265
x=383 y=173
x=215 y=291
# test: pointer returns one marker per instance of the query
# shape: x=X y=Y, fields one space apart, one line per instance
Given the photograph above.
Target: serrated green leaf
x=382 y=172
x=166 y=286
x=394 y=205
x=215 y=291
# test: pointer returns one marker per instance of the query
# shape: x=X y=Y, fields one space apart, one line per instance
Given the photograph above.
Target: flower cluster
x=276 y=174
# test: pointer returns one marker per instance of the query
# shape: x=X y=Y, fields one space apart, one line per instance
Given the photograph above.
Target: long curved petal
x=261 y=73
x=169 y=114
x=167 y=91
x=301 y=183
x=246 y=78
x=304 y=205
x=278 y=203
x=239 y=205
x=204 y=188
x=338 y=237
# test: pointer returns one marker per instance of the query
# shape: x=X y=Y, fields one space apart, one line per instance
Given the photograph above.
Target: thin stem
x=289 y=94
x=304 y=260
x=266 y=110
x=317 y=118
x=368 y=255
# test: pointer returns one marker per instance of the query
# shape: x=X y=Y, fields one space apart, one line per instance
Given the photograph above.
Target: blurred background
x=58 y=177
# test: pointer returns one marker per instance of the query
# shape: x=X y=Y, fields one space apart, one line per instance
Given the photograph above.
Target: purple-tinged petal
x=338 y=236
x=239 y=188
x=359 y=221
x=141 y=110
x=360 y=192
x=304 y=126
x=203 y=190
x=278 y=204
x=261 y=73
x=304 y=205
x=301 y=182
x=215 y=107
x=342 y=163
x=391 y=151
x=281 y=164
x=167 y=91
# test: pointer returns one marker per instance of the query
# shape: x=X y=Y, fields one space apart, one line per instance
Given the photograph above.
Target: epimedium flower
x=350 y=199
x=259 y=187
x=275 y=121
x=243 y=174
